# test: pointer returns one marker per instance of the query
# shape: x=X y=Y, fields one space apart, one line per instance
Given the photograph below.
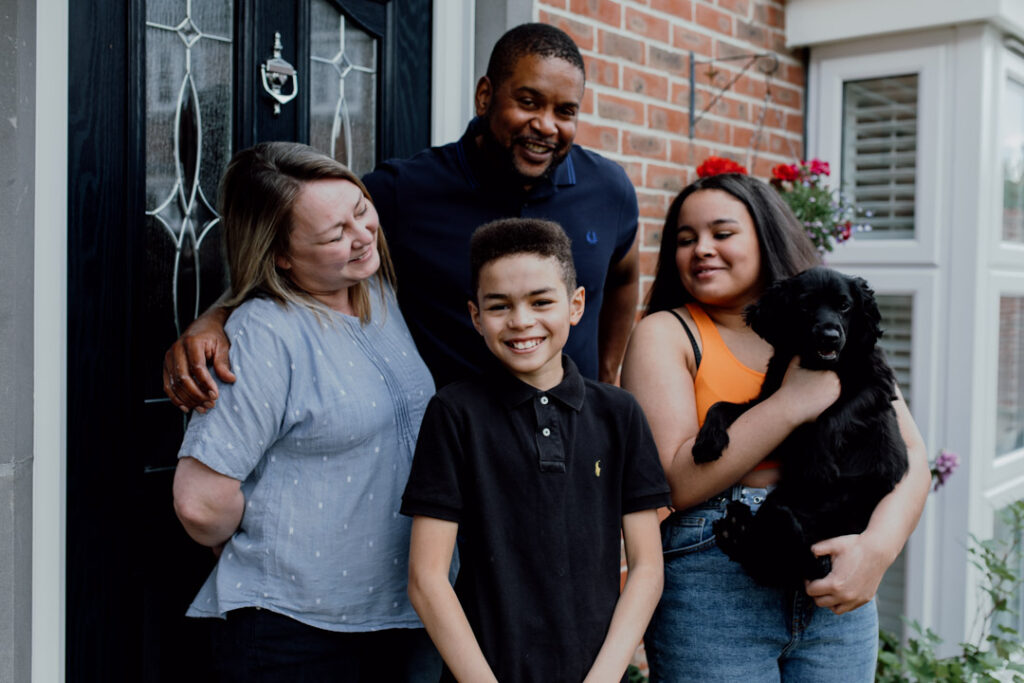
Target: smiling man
x=517 y=159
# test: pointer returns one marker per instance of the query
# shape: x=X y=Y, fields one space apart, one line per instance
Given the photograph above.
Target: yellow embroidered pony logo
x=597 y=468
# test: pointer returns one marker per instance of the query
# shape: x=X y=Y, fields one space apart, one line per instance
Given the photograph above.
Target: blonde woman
x=296 y=475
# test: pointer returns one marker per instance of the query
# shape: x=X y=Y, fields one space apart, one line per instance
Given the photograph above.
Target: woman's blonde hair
x=257 y=195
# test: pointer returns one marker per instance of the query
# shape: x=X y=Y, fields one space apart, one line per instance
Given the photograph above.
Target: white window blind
x=879 y=159
x=896 y=310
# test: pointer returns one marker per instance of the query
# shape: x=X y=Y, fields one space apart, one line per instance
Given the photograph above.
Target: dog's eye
x=845 y=306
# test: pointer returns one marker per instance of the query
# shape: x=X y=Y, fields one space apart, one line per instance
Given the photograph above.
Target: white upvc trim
x=926 y=388
x=1009 y=66
x=50 y=343
x=925 y=55
x=451 y=93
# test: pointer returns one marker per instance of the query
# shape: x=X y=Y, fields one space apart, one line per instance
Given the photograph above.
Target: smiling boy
x=537 y=471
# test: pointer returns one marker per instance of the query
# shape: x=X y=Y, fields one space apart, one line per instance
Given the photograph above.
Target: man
x=516 y=159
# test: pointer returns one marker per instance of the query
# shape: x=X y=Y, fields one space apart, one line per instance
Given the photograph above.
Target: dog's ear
x=768 y=316
x=867 y=319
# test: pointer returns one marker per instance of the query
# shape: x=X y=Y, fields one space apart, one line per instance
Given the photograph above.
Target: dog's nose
x=829 y=334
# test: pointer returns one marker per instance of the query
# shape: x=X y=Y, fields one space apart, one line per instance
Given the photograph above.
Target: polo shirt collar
x=569 y=392
x=481 y=173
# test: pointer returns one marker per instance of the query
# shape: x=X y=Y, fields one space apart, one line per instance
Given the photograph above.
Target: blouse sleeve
x=232 y=437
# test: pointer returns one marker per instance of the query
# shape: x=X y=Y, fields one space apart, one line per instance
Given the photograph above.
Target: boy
x=537 y=470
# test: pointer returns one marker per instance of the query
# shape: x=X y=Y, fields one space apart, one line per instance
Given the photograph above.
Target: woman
x=296 y=476
x=726 y=238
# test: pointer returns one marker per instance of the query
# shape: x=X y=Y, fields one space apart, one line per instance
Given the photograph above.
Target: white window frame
x=927 y=57
x=1003 y=254
x=1003 y=474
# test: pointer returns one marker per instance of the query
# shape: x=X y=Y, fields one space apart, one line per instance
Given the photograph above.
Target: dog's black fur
x=833 y=470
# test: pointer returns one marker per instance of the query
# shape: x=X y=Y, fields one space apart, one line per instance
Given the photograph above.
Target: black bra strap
x=693 y=341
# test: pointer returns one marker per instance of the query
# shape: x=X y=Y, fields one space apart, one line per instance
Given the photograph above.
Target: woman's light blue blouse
x=320 y=428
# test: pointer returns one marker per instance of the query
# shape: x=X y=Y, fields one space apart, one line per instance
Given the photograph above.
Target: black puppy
x=833 y=470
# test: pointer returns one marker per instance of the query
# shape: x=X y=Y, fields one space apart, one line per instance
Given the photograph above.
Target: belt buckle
x=750 y=496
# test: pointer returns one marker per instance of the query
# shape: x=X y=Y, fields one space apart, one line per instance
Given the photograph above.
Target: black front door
x=162 y=93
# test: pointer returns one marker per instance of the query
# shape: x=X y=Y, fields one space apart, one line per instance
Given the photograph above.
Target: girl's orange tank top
x=721 y=376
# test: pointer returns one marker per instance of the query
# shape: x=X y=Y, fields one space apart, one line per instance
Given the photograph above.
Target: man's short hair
x=512 y=236
x=542 y=40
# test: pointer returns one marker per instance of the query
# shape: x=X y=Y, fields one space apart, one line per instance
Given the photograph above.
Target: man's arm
x=209 y=504
x=638 y=599
x=430 y=558
x=187 y=382
x=618 y=312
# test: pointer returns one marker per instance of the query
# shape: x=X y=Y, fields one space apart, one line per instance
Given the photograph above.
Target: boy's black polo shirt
x=538 y=482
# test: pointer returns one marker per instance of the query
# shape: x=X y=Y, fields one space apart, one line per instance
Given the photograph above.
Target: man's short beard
x=505 y=163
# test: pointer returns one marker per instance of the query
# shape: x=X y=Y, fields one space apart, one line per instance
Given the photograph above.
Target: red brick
x=670 y=178
x=688 y=153
x=645 y=83
x=605 y=11
x=739 y=54
x=680 y=9
x=601 y=138
x=792 y=73
x=617 y=45
x=669 y=119
x=773 y=118
x=644 y=145
x=753 y=86
x=587 y=105
x=647 y=25
x=672 y=61
x=740 y=7
x=652 y=204
x=795 y=123
x=770 y=15
x=582 y=34
x=710 y=18
x=686 y=38
x=648 y=262
x=782 y=145
x=742 y=136
x=620 y=109
x=788 y=97
x=715 y=131
x=755 y=35
x=680 y=93
x=560 y=4
x=650 y=233
x=602 y=71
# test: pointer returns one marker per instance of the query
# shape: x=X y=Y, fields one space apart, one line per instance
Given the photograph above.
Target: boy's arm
x=638 y=599
x=430 y=558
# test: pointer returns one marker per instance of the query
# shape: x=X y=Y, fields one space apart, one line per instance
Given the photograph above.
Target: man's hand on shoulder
x=187 y=380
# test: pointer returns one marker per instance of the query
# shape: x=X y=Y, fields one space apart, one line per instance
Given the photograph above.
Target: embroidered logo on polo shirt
x=597 y=468
x=591 y=237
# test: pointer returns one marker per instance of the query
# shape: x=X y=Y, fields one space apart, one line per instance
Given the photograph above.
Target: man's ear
x=474 y=315
x=577 y=302
x=482 y=98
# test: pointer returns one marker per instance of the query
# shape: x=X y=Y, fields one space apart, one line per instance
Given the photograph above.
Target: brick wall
x=636 y=107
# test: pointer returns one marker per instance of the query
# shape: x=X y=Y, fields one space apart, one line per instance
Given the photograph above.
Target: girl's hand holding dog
x=808 y=392
x=857 y=569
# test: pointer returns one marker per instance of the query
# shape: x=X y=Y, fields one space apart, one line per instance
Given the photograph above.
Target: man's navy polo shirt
x=538 y=482
x=429 y=206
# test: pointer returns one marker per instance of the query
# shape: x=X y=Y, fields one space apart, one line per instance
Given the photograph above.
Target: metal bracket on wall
x=768 y=65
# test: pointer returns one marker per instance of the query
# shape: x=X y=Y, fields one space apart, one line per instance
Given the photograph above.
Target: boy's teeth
x=522 y=345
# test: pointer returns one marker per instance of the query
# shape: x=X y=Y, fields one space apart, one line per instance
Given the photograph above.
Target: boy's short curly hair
x=511 y=236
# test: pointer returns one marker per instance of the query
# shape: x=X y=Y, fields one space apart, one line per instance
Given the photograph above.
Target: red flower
x=717 y=166
x=819 y=167
x=788 y=172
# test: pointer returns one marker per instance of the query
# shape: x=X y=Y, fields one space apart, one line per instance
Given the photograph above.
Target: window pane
x=1010 y=387
x=1013 y=163
x=343 y=84
x=879 y=162
x=1009 y=543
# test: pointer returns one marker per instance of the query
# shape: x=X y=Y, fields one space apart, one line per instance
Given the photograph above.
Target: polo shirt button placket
x=546 y=431
x=543 y=400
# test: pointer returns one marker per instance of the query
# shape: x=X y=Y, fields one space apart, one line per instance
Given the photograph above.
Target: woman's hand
x=187 y=382
x=857 y=569
x=808 y=393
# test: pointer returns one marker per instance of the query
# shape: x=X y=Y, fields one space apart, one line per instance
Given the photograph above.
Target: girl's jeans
x=715 y=624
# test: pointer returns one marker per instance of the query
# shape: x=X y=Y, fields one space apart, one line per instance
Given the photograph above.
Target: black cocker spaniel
x=833 y=470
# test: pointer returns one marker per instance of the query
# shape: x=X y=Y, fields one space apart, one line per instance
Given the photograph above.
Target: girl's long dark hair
x=785 y=248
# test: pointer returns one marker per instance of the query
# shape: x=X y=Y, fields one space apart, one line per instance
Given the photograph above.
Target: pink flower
x=818 y=167
x=943 y=467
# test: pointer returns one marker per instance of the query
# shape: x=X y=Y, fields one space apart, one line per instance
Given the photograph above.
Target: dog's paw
x=731 y=531
x=709 y=445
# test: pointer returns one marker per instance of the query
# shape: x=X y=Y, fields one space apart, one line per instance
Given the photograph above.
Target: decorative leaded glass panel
x=188 y=145
x=1012 y=159
x=343 y=89
x=1010 y=383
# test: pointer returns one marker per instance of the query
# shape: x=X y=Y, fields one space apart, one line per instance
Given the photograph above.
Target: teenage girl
x=726 y=238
